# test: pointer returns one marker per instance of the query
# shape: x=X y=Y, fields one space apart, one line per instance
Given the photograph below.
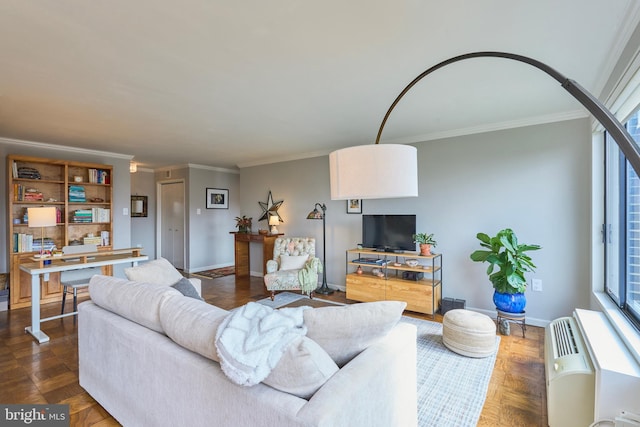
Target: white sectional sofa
x=147 y=355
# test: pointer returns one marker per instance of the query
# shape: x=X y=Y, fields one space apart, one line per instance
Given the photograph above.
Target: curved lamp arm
x=626 y=143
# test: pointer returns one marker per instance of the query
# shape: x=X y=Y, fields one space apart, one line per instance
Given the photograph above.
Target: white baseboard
x=208 y=267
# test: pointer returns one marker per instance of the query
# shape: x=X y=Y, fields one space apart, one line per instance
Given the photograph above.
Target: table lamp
x=316 y=214
x=274 y=222
x=42 y=217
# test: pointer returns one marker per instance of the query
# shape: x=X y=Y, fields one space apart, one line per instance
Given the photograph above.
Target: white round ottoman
x=469 y=333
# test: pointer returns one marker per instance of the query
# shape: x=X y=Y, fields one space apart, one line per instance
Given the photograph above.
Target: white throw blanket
x=252 y=338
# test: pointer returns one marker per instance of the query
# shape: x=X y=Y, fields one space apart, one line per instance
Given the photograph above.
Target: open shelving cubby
x=422 y=295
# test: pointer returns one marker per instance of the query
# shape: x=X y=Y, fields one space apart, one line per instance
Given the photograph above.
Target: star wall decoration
x=270 y=208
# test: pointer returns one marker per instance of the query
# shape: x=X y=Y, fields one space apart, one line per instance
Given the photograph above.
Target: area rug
x=451 y=388
x=281 y=299
x=291 y=299
x=216 y=272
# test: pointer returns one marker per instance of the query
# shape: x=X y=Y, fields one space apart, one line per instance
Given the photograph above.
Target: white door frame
x=159 y=185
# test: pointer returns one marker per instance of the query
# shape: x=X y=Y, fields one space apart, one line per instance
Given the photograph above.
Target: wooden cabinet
x=395 y=279
x=82 y=195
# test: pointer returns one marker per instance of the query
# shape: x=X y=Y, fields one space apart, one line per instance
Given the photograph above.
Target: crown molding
x=212 y=168
x=147 y=170
x=625 y=32
x=281 y=159
x=66 y=148
x=493 y=127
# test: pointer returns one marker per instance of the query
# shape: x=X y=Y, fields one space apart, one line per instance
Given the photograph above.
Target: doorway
x=171 y=222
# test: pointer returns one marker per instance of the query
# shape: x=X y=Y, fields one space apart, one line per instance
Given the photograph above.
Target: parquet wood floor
x=48 y=373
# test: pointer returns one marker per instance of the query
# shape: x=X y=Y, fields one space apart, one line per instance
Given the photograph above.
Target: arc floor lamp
x=355 y=171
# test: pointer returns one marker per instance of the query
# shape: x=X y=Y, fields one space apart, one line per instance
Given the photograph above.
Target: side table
x=512 y=317
x=241 y=249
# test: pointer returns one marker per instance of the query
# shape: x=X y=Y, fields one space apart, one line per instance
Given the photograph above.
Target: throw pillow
x=343 y=332
x=292 y=262
x=302 y=370
x=158 y=272
x=186 y=288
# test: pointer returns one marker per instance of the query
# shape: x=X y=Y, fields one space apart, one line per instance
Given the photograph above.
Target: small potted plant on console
x=426 y=242
x=243 y=224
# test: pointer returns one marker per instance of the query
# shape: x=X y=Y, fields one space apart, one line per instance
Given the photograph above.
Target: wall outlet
x=536 y=285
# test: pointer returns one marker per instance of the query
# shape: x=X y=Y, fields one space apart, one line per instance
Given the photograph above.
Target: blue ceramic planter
x=510 y=303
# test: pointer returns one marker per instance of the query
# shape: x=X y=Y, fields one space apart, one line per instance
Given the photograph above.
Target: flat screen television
x=389 y=232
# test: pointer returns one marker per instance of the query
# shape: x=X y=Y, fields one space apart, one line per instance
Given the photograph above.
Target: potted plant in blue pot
x=504 y=252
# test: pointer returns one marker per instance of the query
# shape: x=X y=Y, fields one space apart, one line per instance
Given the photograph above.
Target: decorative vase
x=359 y=270
x=425 y=249
x=242 y=229
x=510 y=303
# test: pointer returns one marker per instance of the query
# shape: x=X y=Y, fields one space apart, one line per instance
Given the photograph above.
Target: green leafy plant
x=507 y=255
x=424 y=238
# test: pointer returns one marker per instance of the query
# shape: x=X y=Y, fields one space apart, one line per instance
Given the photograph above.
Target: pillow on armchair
x=292 y=262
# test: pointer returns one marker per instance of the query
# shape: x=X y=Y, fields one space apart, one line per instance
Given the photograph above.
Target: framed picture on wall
x=138 y=206
x=354 y=206
x=217 y=198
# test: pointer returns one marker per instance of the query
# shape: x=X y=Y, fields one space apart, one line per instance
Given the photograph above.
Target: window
x=621 y=231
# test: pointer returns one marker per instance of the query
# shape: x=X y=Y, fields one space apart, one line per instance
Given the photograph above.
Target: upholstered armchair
x=294 y=266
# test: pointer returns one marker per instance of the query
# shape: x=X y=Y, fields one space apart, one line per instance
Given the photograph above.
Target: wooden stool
x=512 y=317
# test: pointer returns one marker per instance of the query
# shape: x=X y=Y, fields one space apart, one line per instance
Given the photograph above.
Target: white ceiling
x=225 y=83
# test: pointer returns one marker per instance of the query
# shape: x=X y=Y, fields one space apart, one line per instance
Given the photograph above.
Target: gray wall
x=535 y=180
x=143 y=228
x=210 y=245
x=301 y=184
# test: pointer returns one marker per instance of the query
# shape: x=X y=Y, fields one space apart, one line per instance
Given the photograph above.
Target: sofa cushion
x=303 y=368
x=344 y=331
x=158 y=272
x=138 y=302
x=292 y=262
x=192 y=324
x=186 y=288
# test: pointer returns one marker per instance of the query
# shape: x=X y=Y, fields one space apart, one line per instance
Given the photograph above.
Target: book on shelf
x=23 y=242
x=25 y=172
x=91 y=215
x=375 y=261
x=101 y=214
x=98 y=176
x=26 y=194
x=77 y=194
x=92 y=241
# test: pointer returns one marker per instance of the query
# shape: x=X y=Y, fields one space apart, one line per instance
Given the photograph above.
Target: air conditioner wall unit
x=570 y=376
x=591 y=374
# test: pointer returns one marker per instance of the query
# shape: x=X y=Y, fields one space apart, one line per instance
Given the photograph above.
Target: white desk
x=37 y=268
